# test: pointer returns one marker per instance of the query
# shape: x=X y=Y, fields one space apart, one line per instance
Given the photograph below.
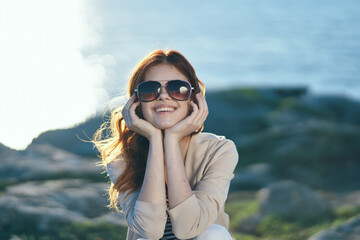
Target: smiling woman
x=166 y=113
x=170 y=180
x=46 y=81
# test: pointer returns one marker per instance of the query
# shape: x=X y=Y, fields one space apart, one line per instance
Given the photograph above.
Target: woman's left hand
x=192 y=122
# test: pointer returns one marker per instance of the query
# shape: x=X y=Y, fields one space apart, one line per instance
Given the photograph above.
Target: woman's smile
x=164 y=108
x=164 y=112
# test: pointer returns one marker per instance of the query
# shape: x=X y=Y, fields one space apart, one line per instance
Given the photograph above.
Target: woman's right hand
x=136 y=124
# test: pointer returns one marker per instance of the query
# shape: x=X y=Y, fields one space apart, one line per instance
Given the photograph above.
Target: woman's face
x=164 y=112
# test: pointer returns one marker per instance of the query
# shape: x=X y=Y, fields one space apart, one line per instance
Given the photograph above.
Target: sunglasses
x=177 y=89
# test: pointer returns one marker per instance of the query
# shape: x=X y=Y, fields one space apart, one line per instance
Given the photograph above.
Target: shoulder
x=210 y=136
x=213 y=141
x=214 y=144
x=212 y=154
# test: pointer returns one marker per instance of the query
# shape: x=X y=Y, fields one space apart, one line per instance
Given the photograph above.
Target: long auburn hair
x=116 y=142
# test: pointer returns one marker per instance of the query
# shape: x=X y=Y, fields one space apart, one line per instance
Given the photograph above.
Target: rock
x=75 y=140
x=285 y=199
x=249 y=224
x=15 y=238
x=254 y=176
x=347 y=199
x=50 y=203
x=290 y=199
x=45 y=161
x=316 y=153
x=350 y=230
x=338 y=108
x=6 y=151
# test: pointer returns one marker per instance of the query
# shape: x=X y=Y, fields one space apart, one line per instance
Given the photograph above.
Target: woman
x=170 y=180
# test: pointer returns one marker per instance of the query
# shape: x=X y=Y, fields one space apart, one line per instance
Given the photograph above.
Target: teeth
x=164 y=109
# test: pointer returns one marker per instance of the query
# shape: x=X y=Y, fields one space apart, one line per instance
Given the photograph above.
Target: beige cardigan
x=209 y=165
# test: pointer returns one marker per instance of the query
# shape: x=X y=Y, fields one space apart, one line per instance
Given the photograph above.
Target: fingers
x=126 y=111
x=129 y=103
x=199 y=114
x=134 y=122
x=202 y=110
x=203 y=107
x=132 y=112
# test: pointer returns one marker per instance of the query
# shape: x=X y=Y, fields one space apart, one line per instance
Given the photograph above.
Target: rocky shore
x=299 y=158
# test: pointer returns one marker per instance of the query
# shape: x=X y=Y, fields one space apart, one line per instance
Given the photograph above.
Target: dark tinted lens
x=179 y=90
x=148 y=91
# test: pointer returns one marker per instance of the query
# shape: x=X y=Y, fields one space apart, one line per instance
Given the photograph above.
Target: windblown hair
x=116 y=142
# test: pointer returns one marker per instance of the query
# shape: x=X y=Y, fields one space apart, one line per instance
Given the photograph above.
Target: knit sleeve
x=195 y=214
x=146 y=219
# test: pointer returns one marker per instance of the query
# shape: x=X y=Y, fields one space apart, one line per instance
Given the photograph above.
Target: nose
x=163 y=93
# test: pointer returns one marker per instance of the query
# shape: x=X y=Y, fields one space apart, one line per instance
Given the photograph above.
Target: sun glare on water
x=46 y=81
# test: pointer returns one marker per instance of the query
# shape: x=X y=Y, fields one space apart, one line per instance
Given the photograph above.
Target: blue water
x=313 y=43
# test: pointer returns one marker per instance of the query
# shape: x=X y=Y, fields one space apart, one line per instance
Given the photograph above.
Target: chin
x=164 y=126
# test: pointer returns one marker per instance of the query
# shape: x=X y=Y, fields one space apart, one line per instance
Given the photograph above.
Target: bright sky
x=46 y=81
x=49 y=79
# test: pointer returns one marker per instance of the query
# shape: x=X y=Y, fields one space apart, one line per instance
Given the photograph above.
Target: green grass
x=74 y=231
x=239 y=211
x=242 y=205
x=240 y=236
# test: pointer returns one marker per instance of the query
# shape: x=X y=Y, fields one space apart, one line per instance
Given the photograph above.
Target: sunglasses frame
x=158 y=94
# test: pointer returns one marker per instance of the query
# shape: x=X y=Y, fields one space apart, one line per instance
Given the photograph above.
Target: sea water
x=254 y=43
